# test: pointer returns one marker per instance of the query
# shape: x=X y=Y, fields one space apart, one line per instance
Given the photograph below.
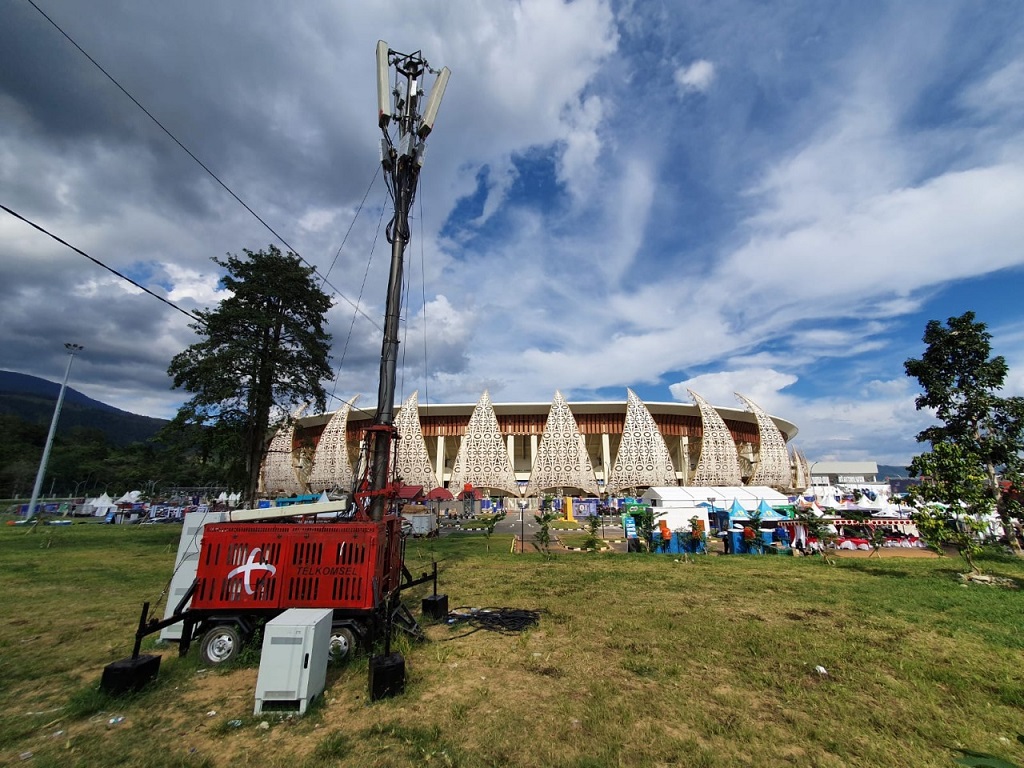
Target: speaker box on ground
x=129 y=674
x=435 y=606
x=387 y=676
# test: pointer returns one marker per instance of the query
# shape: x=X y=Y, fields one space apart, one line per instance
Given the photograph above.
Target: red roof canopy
x=410 y=492
x=440 y=494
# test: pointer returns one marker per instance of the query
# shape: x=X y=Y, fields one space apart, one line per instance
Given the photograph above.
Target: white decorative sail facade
x=331 y=467
x=617 y=444
x=483 y=460
x=562 y=460
x=801 y=471
x=643 y=459
x=278 y=473
x=412 y=461
x=719 y=462
x=772 y=467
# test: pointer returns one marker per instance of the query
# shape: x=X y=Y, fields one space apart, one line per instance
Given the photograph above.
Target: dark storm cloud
x=259 y=112
x=259 y=98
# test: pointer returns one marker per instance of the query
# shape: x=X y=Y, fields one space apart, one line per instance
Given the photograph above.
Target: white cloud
x=697 y=77
x=200 y=288
x=761 y=385
x=1002 y=91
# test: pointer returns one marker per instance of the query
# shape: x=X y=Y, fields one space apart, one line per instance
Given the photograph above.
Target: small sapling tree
x=489 y=526
x=592 y=542
x=877 y=540
x=543 y=535
x=821 y=531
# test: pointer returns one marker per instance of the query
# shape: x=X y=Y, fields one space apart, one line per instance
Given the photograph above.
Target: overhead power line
x=96 y=261
x=202 y=165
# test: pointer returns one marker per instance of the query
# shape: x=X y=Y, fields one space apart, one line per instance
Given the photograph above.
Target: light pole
x=522 y=526
x=73 y=349
x=811 y=472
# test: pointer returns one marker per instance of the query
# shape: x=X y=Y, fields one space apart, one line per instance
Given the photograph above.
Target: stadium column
x=440 y=460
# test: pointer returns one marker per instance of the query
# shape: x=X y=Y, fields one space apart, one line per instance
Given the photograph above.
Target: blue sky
x=764 y=198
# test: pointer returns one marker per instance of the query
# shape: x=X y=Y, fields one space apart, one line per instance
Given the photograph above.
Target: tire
x=220 y=645
x=343 y=643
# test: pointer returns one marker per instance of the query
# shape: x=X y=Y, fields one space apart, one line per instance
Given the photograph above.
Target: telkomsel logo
x=251 y=565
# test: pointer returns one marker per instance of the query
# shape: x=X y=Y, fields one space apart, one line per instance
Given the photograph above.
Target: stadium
x=594 y=449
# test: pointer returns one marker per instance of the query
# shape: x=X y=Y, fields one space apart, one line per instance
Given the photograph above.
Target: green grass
x=579 y=540
x=637 y=661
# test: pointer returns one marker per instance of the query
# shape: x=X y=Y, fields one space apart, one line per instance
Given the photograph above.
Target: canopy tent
x=100 y=506
x=678 y=504
x=767 y=512
x=440 y=494
x=737 y=511
x=410 y=493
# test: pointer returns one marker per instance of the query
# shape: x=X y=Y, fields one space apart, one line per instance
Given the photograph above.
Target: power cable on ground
x=507 y=621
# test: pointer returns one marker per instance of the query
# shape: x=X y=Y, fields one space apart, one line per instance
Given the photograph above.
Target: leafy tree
x=264 y=351
x=979 y=437
x=953 y=477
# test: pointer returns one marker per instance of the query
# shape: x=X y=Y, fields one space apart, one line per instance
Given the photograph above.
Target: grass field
x=637 y=661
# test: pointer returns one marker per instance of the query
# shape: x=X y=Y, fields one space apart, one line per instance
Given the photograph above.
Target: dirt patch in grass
x=888 y=552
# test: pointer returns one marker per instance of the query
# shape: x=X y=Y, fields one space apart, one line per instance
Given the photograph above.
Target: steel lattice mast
x=401 y=162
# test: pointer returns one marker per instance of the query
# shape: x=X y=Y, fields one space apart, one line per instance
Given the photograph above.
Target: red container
x=261 y=566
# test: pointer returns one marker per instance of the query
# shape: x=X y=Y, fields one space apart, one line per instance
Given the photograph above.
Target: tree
x=979 y=438
x=264 y=351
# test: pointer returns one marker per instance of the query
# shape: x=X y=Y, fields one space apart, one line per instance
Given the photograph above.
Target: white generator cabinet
x=293 y=664
x=185 y=565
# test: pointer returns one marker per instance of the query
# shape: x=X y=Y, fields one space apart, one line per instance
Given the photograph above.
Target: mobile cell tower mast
x=401 y=161
x=259 y=563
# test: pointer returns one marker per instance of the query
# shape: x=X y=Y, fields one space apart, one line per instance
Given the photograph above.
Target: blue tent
x=767 y=513
x=737 y=510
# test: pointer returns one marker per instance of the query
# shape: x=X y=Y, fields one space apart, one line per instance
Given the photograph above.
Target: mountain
x=891 y=470
x=33 y=399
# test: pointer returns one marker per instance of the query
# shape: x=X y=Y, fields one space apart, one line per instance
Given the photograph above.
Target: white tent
x=132 y=497
x=100 y=505
x=676 y=505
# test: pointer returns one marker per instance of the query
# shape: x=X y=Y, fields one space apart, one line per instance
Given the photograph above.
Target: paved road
x=518 y=523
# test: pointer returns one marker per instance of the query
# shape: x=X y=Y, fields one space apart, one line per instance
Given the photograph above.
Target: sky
x=729 y=196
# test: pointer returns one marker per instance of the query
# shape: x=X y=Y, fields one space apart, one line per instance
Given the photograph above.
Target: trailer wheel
x=221 y=644
x=343 y=643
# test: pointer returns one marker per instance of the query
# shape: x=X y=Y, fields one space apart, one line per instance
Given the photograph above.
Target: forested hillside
x=32 y=399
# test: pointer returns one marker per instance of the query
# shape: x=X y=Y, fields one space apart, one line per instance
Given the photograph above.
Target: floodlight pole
x=73 y=349
x=401 y=163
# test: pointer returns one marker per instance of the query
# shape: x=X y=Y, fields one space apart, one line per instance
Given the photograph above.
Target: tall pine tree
x=263 y=352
